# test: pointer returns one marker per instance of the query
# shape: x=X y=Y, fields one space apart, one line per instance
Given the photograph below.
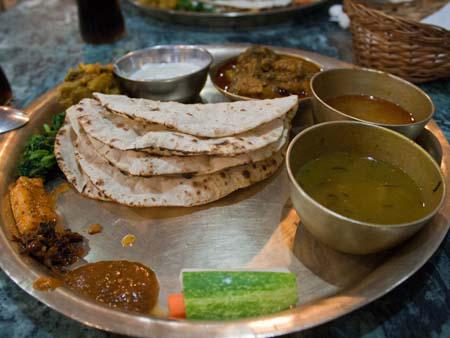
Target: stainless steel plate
x=254 y=228
x=229 y=19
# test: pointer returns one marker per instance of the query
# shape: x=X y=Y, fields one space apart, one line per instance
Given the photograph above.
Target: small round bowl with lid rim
x=182 y=88
x=350 y=235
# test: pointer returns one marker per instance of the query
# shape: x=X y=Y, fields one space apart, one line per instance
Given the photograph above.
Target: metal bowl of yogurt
x=165 y=73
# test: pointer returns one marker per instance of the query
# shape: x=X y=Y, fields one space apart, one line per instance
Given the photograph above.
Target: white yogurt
x=161 y=71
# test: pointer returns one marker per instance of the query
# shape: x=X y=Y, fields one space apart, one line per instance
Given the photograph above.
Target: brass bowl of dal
x=371 y=96
x=351 y=234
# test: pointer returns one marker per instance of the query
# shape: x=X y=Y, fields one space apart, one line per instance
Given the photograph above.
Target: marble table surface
x=39 y=41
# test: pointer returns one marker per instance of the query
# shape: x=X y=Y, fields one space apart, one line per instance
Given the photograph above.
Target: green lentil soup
x=363 y=188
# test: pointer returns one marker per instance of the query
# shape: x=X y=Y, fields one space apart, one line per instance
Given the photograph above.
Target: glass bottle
x=101 y=21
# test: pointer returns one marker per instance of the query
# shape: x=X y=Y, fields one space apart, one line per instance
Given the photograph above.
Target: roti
x=203 y=120
x=138 y=163
x=64 y=153
x=168 y=191
x=125 y=134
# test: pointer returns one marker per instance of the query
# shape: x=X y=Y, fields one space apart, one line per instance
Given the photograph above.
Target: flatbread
x=65 y=157
x=125 y=134
x=168 y=191
x=249 y=4
x=140 y=163
x=203 y=120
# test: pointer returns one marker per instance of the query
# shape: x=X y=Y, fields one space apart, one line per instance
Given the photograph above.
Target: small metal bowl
x=182 y=88
x=361 y=81
x=213 y=73
x=347 y=234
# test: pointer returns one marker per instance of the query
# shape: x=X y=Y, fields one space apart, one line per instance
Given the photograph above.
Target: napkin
x=337 y=15
x=440 y=18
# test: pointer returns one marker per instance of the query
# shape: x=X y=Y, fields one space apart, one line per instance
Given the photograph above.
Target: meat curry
x=261 y=73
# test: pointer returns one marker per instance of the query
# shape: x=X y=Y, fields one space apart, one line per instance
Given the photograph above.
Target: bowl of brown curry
x=371 y=96
x=260 y=73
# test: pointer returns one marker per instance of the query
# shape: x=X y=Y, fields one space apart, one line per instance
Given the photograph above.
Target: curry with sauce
x=261 y=73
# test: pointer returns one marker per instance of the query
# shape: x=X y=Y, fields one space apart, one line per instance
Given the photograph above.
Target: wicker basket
x=401 y=46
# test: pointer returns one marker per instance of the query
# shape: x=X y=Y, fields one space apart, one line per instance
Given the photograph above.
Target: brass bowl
x=354 y=81
x=213 y=72
x=343 y=233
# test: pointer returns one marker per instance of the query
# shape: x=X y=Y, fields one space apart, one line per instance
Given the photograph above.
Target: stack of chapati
x=148 y=153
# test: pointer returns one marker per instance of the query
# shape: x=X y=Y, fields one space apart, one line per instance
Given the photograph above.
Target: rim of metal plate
x=401 y=265
x=229 y=19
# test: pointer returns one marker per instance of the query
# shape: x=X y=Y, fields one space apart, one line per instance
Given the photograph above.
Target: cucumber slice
x=219 y=295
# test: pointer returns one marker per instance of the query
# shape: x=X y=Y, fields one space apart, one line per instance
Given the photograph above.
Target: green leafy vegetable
x=38 y=159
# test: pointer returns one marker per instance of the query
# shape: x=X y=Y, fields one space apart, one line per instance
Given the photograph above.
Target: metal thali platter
x=252 y=228
x=229 y=19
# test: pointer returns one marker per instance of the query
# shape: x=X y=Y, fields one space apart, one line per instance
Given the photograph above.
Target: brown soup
x=371 y=108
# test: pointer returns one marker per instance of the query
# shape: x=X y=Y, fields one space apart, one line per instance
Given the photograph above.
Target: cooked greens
x=82 y=81
x=38 y=159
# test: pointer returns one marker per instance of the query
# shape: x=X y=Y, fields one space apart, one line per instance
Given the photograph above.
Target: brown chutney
x=125 y=285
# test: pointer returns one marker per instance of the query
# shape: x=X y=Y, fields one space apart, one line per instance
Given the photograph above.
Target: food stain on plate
x=128 y=240
x=47 y=283
x=95 y=228
x=60 y=189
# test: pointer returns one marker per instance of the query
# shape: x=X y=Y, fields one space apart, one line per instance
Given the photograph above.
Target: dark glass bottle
x=101 y=21
x=5 y=89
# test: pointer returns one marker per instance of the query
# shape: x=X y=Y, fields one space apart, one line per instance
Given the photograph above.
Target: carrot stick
x=176 y=305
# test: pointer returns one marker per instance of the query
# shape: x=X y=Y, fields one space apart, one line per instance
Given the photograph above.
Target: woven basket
x=414 y=51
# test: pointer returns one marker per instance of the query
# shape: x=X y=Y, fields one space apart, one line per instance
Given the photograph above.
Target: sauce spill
x=128 y=286
x=95 y=229
x=128 y=240
x=63 y=187
x=46 y=284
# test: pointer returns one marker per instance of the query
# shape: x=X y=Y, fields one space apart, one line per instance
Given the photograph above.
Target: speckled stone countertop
x=39 y=41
